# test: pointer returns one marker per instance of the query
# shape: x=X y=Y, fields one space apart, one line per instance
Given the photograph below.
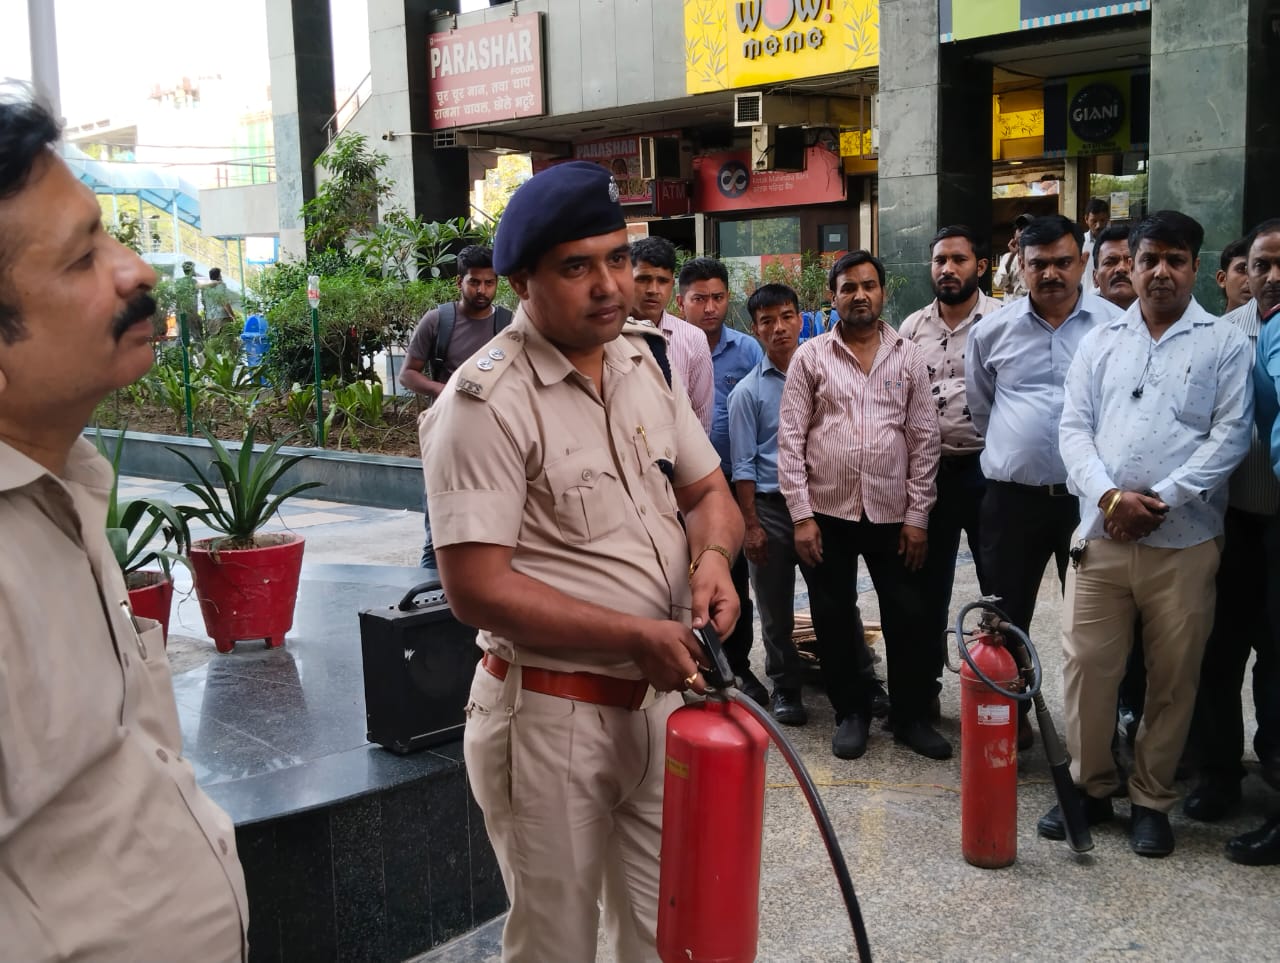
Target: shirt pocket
x=656 y=455
x=589 y=499
x=1195 y=409
x=160 y=719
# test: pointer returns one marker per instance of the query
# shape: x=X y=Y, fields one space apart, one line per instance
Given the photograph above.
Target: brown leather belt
x=601 y=690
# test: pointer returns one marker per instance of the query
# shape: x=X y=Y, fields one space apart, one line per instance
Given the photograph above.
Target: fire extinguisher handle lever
x=716 y=668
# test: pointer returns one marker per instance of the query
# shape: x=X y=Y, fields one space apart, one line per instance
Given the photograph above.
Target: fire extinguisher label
x=993 y=715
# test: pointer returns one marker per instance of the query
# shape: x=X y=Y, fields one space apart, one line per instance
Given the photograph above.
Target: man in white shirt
x=1158 y=414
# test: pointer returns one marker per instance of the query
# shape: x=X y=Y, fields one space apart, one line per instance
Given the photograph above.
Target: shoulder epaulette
x=479 y=373
x=652 y=336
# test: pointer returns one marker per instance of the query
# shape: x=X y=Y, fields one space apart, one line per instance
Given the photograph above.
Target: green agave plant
x=134 y=523
x=245 y=503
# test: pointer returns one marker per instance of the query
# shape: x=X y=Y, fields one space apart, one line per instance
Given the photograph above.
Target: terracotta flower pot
x=248 y=593
x=151 y=596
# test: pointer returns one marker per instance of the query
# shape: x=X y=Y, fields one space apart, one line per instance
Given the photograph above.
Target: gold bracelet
x=719 y=549
x=1111 y=506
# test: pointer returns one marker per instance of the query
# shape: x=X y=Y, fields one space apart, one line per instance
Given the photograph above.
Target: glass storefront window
x=757 y=236
x=1127 y=194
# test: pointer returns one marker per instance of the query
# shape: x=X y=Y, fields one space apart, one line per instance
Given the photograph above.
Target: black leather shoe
x=1259 y=847
x=752 y=688
x=935 y=709
x=850 y=740
x=921 y=737
x=1095 y=811
x=788 y=708
x=879 y=700
x=1211 y=799
x=1149 y=832
x=1026 y=735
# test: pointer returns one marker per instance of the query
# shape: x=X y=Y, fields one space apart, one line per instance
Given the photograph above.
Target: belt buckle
x=1058 y=489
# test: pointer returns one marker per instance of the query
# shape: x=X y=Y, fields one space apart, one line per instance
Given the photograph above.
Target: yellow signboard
x=748 y=43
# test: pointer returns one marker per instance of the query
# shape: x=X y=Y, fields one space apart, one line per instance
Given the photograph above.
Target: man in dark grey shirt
x=447 y=336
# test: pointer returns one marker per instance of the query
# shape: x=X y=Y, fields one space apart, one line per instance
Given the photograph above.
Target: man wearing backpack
x=447 y=336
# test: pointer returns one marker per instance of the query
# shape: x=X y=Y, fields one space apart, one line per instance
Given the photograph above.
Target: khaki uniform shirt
x=943 y=349
x=523 y=452
x=108 y=849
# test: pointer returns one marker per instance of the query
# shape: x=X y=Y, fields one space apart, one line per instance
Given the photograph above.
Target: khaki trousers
x=572 y=800
x=1173 y=591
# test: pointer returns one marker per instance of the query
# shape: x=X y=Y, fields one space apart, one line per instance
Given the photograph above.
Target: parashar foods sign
x=486 y=73
x=778 y=15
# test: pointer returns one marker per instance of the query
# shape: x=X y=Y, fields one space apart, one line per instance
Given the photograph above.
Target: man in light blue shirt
x=1261 y=846
x=1158 y=414
x=1017 y=362
x=703 y=297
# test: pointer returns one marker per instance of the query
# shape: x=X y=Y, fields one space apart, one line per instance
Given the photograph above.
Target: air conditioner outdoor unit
x=748 y=109
x=762 y=147
x=753 y=108
x=663 y=158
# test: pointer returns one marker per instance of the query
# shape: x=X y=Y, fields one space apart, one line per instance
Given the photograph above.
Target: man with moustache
x=1158 y=414
x=941 y=330
x=446 y=337
x=858 y=449
x=108 y=848
x=1016 y=365
x=1233 y=274
x=1113 y=267
x=1240 y=622
x=1261 y=847
x=584 y=526
x=653 y=265
x=704 y=300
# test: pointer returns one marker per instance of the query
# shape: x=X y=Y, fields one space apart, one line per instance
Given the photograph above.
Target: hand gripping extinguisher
x=713 y=819
x=1002 y=668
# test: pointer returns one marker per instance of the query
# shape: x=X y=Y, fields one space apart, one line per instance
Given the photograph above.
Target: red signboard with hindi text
x=486 y=73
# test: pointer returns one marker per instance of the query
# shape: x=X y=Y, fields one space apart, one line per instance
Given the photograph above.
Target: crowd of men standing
x=1050 y=426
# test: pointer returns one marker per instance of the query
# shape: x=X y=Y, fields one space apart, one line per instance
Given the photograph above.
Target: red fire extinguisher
x=712 y=820
x=988 y=752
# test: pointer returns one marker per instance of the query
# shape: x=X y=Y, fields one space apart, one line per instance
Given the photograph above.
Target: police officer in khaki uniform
x=560 y=465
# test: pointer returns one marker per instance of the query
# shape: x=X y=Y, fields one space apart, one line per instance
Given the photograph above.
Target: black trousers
x=737 y=647
x=1021 y=528
x=961 y=486
x=912 y=654
x=1240 y=624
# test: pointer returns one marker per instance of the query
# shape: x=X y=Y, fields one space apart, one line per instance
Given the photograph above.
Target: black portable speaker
x=418 y=664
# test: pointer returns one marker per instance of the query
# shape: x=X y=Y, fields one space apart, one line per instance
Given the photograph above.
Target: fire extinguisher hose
x=1028 y=653
x=819 y=815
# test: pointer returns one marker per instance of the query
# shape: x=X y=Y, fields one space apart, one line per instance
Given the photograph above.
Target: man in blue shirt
x=1261 y=847
x=1158 y=414
x=704 y=301
x=1016 y=365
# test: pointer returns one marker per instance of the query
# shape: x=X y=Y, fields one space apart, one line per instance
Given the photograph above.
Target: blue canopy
x=154 y=185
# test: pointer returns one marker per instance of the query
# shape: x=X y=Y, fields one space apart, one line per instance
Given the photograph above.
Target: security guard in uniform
x=583 y=526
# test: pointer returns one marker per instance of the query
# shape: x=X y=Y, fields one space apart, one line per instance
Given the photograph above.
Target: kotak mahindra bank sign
x=486 y=73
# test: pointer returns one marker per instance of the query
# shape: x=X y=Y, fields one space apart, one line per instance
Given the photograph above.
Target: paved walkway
x=898 y=818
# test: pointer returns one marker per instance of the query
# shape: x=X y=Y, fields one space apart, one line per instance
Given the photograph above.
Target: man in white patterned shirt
x=1157 y=415
x=941 y=330
x=653 y=266
x=857 y=454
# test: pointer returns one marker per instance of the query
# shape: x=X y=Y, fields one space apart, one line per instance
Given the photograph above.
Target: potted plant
x=247 y=582
x=132 y=526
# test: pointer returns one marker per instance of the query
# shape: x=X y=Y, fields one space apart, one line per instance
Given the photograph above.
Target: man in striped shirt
x=858 y=448
x=653 y=268
x=941 y=330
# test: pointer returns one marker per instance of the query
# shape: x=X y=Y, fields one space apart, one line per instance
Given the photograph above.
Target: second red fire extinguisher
x=988 y=754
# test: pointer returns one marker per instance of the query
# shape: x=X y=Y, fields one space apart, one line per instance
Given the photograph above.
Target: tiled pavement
x=898 y=817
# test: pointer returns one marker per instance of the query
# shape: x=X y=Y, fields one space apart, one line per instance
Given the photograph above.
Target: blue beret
x=566 y=202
